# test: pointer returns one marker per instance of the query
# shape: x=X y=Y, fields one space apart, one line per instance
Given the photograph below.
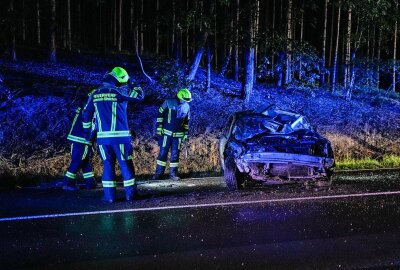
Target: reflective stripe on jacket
x=109 y=105
x=173 y=118
x=77 y=133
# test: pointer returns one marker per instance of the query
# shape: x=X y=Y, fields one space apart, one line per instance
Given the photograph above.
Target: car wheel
x=327 y=182
x=232 y=176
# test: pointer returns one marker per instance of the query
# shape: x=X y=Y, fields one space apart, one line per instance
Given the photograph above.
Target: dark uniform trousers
x=123 y=153
x=80 y=160
x=165 y=143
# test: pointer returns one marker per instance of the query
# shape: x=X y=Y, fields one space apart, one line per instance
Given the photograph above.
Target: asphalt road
x=198 y=224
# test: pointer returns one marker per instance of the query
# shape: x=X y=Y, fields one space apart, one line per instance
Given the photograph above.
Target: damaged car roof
x=268 y=120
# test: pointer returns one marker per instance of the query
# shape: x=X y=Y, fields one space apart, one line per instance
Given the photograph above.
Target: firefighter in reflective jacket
x=81 y=149
x=172 y=127
x=109 y=104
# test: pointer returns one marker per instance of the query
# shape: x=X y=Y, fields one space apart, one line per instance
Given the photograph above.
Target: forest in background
x=335 y=44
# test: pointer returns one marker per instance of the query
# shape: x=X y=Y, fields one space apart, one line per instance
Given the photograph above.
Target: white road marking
x=344 y=196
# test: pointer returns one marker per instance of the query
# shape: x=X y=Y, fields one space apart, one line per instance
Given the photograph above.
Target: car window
x=284 y=118
x=250 y=126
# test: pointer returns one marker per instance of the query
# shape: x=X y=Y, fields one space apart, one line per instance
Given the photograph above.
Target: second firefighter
x=172 y=128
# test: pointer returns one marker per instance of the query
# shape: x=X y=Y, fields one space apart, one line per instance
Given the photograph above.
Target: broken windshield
x=250 y=126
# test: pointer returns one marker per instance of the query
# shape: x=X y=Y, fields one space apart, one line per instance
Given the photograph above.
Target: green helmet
x=184 y=94
x=120 y=74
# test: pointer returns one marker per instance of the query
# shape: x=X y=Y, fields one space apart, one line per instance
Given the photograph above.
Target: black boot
x=109 y=195
x=174 y=177
x=156 y=177
x=90 y=183
x=130 y=192
x=69 y=184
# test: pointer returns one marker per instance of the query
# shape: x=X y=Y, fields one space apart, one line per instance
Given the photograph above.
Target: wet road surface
x=353 y=225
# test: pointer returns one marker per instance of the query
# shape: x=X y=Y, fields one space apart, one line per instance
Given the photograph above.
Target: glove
x=159 y=131
x=132 y=83
x=185 y=138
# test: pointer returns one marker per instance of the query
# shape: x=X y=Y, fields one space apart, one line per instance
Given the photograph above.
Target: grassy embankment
x=364 y=132
x=388 y=161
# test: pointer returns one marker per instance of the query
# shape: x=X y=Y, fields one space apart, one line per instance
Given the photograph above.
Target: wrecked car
x=273 y=146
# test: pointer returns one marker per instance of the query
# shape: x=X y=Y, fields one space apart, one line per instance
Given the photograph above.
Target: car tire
x=232 y=176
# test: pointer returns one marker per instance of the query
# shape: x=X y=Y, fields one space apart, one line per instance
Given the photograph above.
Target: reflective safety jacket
x=77 y=134
x=109 y=104
x=173 y=118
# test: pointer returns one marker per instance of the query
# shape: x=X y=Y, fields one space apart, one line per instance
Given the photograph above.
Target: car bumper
x=295 y=165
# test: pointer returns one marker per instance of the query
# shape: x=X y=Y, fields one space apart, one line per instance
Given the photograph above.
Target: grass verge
x=388 y=161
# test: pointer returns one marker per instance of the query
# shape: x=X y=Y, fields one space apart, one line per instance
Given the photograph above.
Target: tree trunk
x=236 y=67
x=79 y=30
x=394 y=50
x=200 y=47
x=52 y=55
x=322 y=68
x=194 y=33
x=215 y=41
x=100 y=24
x=197 y=58
x=280 y=71
x=136 y=33
x=13 y=52
x=273 y=37
x=331 y=42
x=23 y=21
x=348 y=50
x=301 y=37
x=187 y=34
x=115 y=23
x=266 y=15
x=173 y=44
x=255 y=38
x=141 y=28
x=132 y=26
x=353 y=57
x=368 y=56
x=120 y=26
x=249 y=74
x=38 y=21
x=209 y=57
x=334 y=71
x=226 y=61
x=288 y=73
x=69 y=31
x=158 y=28
x=249 y=54
x=378 y=56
